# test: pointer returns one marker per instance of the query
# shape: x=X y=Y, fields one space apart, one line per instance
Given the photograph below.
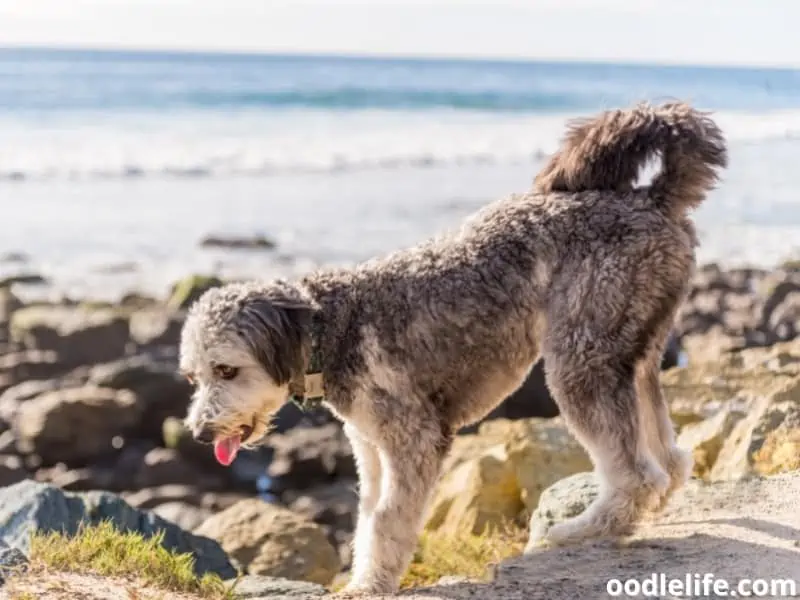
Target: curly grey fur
x=585 y=270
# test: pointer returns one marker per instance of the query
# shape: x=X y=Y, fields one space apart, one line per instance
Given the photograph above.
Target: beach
x=112 y=176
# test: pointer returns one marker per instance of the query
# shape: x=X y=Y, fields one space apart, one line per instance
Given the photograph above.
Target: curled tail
x=608 y=151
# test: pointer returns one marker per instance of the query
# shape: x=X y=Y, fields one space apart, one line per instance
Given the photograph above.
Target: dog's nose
x=203 y=434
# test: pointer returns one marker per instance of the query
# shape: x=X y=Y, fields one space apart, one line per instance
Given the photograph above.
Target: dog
x=587 y=269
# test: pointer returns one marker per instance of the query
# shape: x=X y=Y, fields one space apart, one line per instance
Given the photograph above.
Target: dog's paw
x=355 y=589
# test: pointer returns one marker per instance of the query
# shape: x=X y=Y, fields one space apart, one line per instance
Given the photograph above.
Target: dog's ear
x=276 y=330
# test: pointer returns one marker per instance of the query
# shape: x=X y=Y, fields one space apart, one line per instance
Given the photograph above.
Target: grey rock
x=78 y=335
x=155 y=327
x=11 y=470
x=30 y=506
x=185 y=516
x=256 y=242
x=160 y=391
x=306 y=456
x=11 y=561
x=563 y=500
x=75 y=425
x=16 y=396
x=28 y=365
x=258 y=587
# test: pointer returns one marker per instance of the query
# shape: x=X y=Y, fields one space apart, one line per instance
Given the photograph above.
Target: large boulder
x=747 y=409
x=477 y=495
x=29 y=506
x=75 y=425
x=766 y=441
x=79 y=335
x=270 y=540
x=159 y=389
x=498 y=474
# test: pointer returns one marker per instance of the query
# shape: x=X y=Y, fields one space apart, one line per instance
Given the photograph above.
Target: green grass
x=466 y=555
x=103 y=550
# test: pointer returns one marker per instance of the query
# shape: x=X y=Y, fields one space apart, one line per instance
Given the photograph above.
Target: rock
x=150 y=498
x=270 y=540
x=258 y=587
x=11 y=470
x=258 y=242
x=14 y=397
x=14 y=257
x=334 y=507
x=733 y=530
x=24 y=279
x=766 y=441
x=160 y=391
x=163 y=466
x=306 y=456
x=75 y=425
x=11 y=561
x=9 y=303
x=705 y=439
x=186 y=291
x=156 y=327
x=335 y=504
x=138 y=301
x=563 y=500
x=29 y=506
x=93 y=477
x=750 y=400
x=478 y=495
x=185 y=516
x=78 y=335
x=26 y=365
x=785 y=318
x=498 y=474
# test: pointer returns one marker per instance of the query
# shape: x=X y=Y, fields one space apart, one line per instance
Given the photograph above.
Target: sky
x=745 y=32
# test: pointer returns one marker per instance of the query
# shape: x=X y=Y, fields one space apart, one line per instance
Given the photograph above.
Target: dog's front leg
x=369 y=483
x=386 y=539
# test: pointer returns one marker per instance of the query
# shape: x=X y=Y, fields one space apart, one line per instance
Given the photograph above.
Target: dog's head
x=241 y=345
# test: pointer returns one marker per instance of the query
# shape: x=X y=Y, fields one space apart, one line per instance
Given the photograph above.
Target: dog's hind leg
x=597 y=398
x=659 y=427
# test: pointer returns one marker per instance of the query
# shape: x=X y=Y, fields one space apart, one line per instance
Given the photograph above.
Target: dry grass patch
x=464 y=555
x=140 y=566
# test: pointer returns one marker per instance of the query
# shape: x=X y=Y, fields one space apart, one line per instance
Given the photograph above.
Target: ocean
x=113 y=165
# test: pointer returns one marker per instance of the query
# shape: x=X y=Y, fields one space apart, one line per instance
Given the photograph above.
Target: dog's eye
x=226 y=372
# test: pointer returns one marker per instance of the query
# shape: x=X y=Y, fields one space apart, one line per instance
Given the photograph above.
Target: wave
x=306 y=142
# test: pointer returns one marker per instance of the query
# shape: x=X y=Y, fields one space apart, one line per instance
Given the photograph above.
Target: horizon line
x=409 y=57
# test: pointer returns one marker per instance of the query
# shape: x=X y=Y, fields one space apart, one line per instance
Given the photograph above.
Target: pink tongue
x=225 y=449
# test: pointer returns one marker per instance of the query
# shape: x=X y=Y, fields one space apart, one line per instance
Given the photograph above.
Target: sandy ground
x=73 y=586
x=731 y=530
